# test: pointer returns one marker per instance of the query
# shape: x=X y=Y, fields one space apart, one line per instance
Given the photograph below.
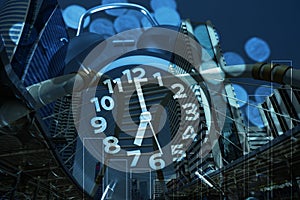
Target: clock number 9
x=99 y=123
x=111 y=145
x=156 y=162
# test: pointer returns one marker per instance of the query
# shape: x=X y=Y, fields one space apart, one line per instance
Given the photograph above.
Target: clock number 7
x=136 y=154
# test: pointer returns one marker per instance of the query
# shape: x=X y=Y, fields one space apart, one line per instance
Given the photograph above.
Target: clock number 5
x=178 y=152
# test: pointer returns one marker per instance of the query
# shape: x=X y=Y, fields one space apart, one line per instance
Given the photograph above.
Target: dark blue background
x=275 y=21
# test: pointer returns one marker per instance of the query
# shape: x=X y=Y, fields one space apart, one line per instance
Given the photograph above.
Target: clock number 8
x=111 y=145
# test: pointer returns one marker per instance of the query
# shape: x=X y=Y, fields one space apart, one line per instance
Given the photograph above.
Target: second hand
x=154 y=135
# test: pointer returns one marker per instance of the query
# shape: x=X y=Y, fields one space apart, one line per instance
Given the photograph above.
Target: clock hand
x=140 y=94
x=145 y=116
x=144 y=120
x=154 y=135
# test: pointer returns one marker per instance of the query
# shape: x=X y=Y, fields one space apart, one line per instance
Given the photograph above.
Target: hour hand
x=145 y=118
x=140 y=94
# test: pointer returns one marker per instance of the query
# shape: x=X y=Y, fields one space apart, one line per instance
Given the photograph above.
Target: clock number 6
x=156 y=162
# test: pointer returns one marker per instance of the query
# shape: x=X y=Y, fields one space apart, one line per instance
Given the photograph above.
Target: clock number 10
x=106 y=102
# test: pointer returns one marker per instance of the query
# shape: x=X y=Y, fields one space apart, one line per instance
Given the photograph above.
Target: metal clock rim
x=101 y=8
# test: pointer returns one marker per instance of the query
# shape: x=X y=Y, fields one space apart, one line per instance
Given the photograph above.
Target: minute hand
x=145 y=115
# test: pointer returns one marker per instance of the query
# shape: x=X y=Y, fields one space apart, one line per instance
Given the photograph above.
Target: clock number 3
x=191 y=111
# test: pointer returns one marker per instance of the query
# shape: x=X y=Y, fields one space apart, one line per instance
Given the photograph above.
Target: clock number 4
x=189 y=133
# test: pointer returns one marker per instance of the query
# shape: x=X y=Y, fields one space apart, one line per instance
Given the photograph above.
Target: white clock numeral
x=192 y=111
x=179 y=94
x=177 y=150
x=111 y=145
x=139 y=70
x=189 y=133
x=119 y=83
x=108 y=82
x=136 y=154
x=159 y=79
x=99 y=123
x=109 y=85
x=103 y=101
x=156 y=162
x=128 y=74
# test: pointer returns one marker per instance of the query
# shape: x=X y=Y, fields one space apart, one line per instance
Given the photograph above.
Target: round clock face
x=144 y=111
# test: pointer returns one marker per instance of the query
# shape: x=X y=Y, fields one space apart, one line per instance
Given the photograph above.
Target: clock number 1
x=159 y=79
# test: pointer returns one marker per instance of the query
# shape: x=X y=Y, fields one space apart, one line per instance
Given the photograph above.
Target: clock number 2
x=180 y=93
